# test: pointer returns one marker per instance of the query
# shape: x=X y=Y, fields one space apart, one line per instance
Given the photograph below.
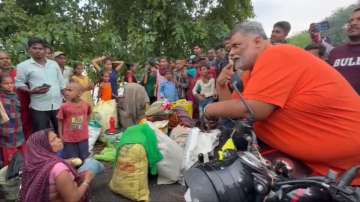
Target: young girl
x=73 y=120
x=130 y=74
x=204 y=89
x=85 y=83
x=110 y=66
x=105 y=90
x=11 y=132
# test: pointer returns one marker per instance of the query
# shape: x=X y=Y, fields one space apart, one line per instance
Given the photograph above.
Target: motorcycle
x=246 y=176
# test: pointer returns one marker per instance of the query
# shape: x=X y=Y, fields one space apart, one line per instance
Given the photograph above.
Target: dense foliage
x=132 y=30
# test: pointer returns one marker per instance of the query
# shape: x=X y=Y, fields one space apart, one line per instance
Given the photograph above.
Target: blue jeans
x=76 y=149
x=203 y=104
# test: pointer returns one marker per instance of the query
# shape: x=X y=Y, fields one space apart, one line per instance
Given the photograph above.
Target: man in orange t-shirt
x=303 y=107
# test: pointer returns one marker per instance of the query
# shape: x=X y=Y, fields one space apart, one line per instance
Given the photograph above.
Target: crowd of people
x=305 y=102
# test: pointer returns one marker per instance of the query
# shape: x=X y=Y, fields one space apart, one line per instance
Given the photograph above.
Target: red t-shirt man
x=317 y=119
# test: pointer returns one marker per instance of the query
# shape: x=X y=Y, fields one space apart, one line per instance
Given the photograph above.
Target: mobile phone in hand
x=45 y=85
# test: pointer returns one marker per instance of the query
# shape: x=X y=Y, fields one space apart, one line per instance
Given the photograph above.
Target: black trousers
x=44 y=119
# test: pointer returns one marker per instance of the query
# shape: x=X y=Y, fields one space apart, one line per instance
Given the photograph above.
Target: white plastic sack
x=179 y=134
x=3 y=172
x=169 y=168
x=11 y=187
x=94 y=133
x=95 y=93
x=103 y=111
x=199 y=142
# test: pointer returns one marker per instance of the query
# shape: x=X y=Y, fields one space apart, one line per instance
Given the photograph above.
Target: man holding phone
x=45 y=82
x=316 y=38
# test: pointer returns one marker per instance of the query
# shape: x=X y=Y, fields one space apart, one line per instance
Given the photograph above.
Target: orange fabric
x=318 y=114
x=106 y=91
x=245 y=77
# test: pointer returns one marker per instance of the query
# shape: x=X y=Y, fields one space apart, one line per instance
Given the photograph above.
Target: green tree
x=301 y=40
x=132 y=30
x=336 y=32
x=337 y=23
x=172 y=27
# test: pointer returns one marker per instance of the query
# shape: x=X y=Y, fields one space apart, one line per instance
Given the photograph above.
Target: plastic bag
x=107 y=154
x=186 y=105
x=199 y=142
x=190 y=148
x=169 y=169
x=94 y=133
x=103 y=111
x=9 y=189
x=179 y=135
x=161 y=125
x=92 y=165
x=14 y=166
x=130 y=177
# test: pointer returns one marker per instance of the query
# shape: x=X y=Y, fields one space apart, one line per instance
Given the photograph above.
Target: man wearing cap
x=67 y=71
x=43 y=80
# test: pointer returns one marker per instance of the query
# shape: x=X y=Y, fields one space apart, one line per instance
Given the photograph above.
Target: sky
x=300 y=13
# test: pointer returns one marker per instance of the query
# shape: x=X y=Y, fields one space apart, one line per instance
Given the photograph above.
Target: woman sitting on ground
x=47 y=177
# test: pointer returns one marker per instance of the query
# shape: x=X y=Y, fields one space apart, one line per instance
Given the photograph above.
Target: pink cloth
x=56 y=171
x=39 y=159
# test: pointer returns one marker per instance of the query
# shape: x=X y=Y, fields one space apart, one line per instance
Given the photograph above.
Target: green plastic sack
x=107 y=154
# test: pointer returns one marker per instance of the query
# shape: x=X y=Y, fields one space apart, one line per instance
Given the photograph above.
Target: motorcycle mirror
x=348 y=177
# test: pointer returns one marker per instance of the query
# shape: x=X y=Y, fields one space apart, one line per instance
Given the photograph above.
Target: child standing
x=110 y=66
x=168 y=88
x=105 y=90
x=73 y=119
x=11 y=132
x=204 y=89
x=85 y=83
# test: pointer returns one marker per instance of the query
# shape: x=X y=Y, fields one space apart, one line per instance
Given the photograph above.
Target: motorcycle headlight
x=227 y=180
